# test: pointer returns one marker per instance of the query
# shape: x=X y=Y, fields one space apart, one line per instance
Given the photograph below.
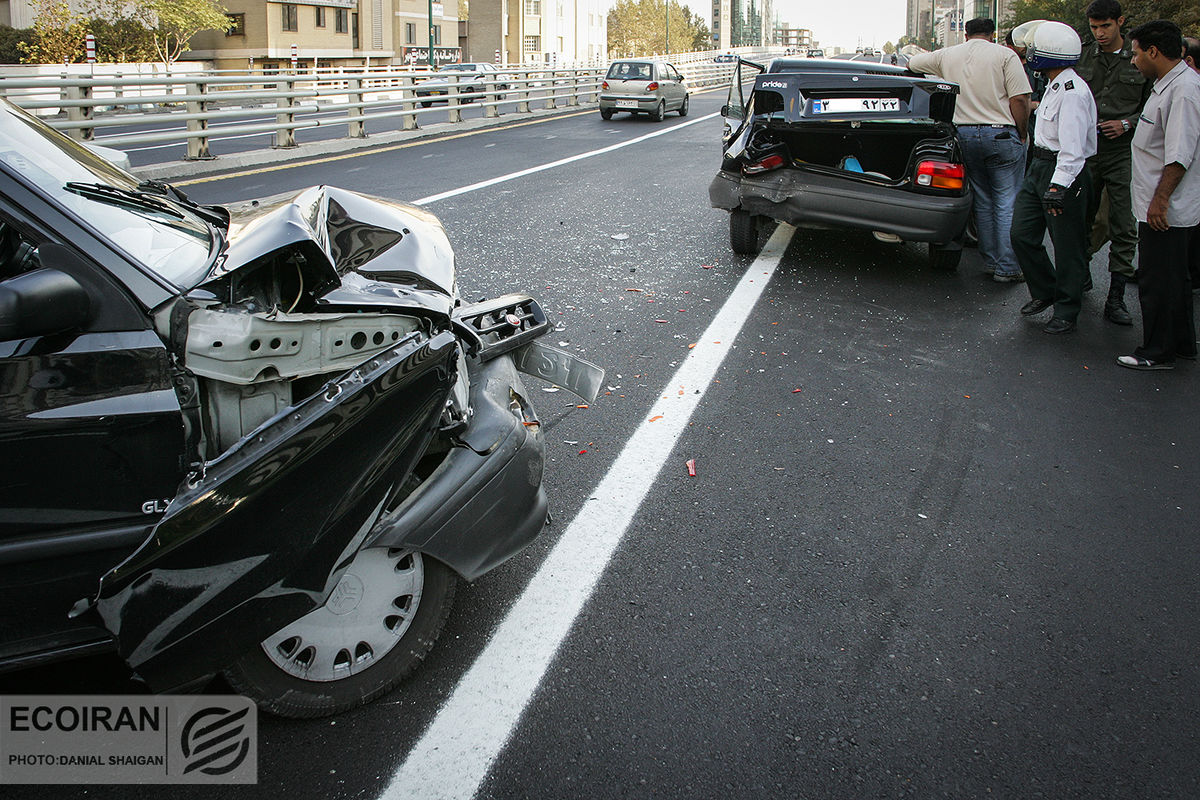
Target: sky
x=844 y=22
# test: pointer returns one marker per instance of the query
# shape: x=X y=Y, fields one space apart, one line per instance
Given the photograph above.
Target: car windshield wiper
x=115 y=195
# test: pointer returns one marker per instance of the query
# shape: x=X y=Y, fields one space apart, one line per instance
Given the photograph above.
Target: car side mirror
x=41 y=302
x=733 y=112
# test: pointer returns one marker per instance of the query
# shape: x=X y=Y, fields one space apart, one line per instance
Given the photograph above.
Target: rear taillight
x=765 y=165
x=652 y=86
x=940 y=175
x=604 y=86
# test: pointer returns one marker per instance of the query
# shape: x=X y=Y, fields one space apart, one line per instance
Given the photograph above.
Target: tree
x=120 y=30
x=177 y=21
x=639 y=28
x=10 y=41
x=58 y=35
x=1184 y=13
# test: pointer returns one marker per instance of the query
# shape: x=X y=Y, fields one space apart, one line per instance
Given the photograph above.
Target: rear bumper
x=624 y=103
x=485 y=502
x=813 y=200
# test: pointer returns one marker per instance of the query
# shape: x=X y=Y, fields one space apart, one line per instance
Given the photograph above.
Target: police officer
x=1057 y=186
x=1120 y=92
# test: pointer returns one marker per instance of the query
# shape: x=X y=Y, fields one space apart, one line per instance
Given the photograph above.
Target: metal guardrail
x=192 y=102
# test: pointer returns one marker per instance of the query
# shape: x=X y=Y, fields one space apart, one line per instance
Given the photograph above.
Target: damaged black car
x=264 y=444
x=843 y=145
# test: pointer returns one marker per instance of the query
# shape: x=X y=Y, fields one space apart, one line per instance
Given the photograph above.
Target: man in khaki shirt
x=991 y=114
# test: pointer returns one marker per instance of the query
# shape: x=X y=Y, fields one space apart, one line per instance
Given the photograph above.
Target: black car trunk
x=882 y=148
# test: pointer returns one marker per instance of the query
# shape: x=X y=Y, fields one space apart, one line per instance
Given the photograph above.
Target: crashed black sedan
x=843 y=145
x=263 y=445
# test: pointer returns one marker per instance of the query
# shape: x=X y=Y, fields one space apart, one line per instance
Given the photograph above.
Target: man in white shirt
x=1166 y=197
x=990 y=113
x=1057 y=186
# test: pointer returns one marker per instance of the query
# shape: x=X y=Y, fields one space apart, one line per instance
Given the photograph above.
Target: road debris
x=691 y=467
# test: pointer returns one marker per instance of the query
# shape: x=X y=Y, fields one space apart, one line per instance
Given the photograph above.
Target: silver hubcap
x=366 y=615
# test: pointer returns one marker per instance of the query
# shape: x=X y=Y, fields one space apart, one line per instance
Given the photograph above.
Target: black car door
x=91 y=437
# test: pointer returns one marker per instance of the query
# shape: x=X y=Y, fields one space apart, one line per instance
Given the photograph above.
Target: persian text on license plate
x=855 y=105
x=627 y=104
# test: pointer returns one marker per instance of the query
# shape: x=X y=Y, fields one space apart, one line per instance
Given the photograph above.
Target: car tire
x=426 y=103
x=401 y=620
x=743 y=232
x=683 y=109
x=606 y=113
x=944 y=259
x=660 y=111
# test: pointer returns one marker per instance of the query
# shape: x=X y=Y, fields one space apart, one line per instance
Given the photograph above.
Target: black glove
x=1055 y=198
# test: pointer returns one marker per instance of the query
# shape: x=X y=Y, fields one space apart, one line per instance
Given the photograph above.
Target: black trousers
x=1165 y=292
x=1062 y=279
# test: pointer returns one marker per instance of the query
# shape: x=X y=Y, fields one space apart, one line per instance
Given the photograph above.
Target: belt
x=983 y=125
x=1043 y=153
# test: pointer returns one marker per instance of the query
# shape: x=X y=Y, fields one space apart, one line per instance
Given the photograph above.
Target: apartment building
x=742 y=23
x=565 y=32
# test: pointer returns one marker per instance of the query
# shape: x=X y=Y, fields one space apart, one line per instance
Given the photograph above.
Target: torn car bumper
x=484 y=502
x=813 y=200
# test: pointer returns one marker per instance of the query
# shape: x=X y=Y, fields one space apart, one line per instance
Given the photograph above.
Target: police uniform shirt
x=1169 y=133
x=1066 y=124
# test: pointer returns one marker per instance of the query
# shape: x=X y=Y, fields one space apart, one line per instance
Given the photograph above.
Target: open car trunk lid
x=851 y=97
x=264 y=535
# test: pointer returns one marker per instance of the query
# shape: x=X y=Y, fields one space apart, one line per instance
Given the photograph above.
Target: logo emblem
x=214 y=740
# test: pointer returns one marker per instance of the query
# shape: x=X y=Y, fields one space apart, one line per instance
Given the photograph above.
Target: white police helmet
x=1022 y=35
x=1055 y=45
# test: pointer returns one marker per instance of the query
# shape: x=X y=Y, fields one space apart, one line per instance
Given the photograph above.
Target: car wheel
x=426 y=103
x=660 y=111
x=743 y=232
x=376 y=627
x=944 y=258
x=683 y=109
x=606 y=113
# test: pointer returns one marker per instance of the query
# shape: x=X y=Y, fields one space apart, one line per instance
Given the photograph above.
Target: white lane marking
x=433 y=198
x=455 y=753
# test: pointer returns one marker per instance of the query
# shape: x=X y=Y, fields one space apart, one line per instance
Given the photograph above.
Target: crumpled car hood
x=352 y=249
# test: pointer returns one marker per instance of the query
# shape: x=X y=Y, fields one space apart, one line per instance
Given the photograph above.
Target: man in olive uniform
x=1120 y=92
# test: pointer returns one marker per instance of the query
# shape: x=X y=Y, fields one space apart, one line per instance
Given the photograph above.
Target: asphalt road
x=929 y=551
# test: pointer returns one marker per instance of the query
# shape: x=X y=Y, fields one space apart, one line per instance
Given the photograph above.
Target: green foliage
x=639 y=28
x=58 y=35
x=124 y=41
x=10 y=38
x=1184 y=13
x=177 y=21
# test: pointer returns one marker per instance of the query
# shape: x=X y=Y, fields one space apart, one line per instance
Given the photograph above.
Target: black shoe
x=1035 y=307
x=1059 y=325
x=1114 y=307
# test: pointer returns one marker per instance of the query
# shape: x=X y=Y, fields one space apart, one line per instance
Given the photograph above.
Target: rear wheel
x=426 y=103
x=683 y=109
x=606 y=113
x=743 y=232
x=944 y=259
x=660 y=111
x=377 y=625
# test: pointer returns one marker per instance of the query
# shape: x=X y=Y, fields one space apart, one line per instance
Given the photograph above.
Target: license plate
x=582 y=378
x=627 y=104
x=855 y=105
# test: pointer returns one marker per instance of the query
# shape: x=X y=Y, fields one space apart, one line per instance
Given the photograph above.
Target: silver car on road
x=646 y=86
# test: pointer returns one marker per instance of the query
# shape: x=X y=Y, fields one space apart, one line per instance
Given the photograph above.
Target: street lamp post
x=431 y=34
x=668 y=47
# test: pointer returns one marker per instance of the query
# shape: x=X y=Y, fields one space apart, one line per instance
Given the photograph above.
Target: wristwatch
x=1125 y=125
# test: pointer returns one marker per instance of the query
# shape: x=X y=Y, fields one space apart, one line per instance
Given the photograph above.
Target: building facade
x=563 y=32
x=742 y=23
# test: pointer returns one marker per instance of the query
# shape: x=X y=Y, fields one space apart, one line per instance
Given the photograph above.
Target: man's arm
x=926 y=63
x=1019 y=108
x=1156 y=217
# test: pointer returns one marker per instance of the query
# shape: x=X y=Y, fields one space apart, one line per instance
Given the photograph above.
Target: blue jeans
x=995 y=168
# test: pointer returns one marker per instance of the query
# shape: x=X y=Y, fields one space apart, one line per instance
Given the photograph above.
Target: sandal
x=1137 y=362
